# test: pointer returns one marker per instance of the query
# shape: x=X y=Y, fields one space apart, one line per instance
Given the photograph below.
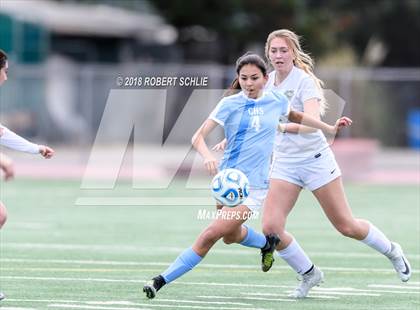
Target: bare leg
x=3 y=214
x=280 y=200
x=334 y=203
x=221 y=227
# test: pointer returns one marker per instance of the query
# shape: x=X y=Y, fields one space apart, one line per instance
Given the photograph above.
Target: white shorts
x=311 y=173
x=255 y=199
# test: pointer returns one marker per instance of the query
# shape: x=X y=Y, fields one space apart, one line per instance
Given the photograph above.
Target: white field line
x=329 y=292
x=316 y=290
x=284 y=295
x=74 y=279
x=106 y=304
x=390 y=292
x=348 y=293
x=67 y=306
x=248 y=298
x=43 y=300
x=204 y=302
x=350 y=289
x=16 y=308
x=403 y=287
x=140 y=249
x=165 y=264
x=246 y=268
x=101 y=280
x=126 y=303
x=30 y=225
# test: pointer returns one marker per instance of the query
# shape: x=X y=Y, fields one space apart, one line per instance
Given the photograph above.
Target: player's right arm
x=199 y=143
x=311 y=97
x=312 y=108
x=13 y=141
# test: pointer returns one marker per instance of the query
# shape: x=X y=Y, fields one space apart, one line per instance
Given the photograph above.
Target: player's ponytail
x=3 y=59
x=301 y=60
x=248 y=58
x=233 y=88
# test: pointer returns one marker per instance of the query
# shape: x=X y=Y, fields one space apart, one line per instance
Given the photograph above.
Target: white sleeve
x=11 y=140
x=308 y=90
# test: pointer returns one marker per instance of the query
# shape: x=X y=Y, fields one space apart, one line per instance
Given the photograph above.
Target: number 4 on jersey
x=255 y=123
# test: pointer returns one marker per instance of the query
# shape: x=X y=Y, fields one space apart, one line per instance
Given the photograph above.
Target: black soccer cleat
x=267 y=257
x=149 y=290
x=153 y=286
x=2 y=296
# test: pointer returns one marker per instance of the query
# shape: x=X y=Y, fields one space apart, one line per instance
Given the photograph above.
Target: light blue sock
x=186 y=261
x=253 y=239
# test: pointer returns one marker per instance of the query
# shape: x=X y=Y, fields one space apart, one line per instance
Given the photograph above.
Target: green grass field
x=57 y=255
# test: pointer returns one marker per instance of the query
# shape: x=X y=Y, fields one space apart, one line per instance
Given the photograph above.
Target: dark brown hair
x=247 y=59
x=3 y=59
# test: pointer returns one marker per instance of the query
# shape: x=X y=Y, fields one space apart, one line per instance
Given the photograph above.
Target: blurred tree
x=234 y=25
x=381 y=32
x=385 y=24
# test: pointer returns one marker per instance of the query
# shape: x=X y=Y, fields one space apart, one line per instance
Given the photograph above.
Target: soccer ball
x=230 y=187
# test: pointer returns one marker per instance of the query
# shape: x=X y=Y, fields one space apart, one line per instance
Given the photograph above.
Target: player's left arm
x=308 y=120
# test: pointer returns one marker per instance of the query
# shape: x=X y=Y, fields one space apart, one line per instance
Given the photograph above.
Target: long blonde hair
x=301 y=59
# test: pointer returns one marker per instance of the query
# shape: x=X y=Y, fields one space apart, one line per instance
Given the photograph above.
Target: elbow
x=295 y=116
x=194 y=139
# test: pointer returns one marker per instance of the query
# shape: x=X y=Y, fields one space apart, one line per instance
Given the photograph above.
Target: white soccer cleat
x=309 y=280
x=400 y=262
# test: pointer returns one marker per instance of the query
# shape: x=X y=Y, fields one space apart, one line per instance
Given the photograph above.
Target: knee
x=271 y=227
x=229 y=239
x=348 y=229
x=3 y=214
x=233 y=236
x=211 y=235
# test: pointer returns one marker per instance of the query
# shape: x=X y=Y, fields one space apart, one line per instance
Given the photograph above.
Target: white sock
x=377 y=240
x=294 y=255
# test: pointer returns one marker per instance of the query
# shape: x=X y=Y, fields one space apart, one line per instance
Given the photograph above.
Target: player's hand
x=46 y=151
x=211 y=165
x=340 y=124
x=6 y=164
x=220 y=146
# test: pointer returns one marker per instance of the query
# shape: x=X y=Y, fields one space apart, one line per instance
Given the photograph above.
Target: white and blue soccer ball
x=230 y=187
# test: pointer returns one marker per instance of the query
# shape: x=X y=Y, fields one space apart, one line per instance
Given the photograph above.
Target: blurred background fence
x=62 y=101
x=65 y=57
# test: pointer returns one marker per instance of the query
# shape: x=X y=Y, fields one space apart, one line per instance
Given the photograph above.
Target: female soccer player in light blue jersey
x=250 y=120
x=303 y=159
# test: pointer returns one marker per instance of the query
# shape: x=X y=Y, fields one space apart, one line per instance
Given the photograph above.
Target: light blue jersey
x=250 y=126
